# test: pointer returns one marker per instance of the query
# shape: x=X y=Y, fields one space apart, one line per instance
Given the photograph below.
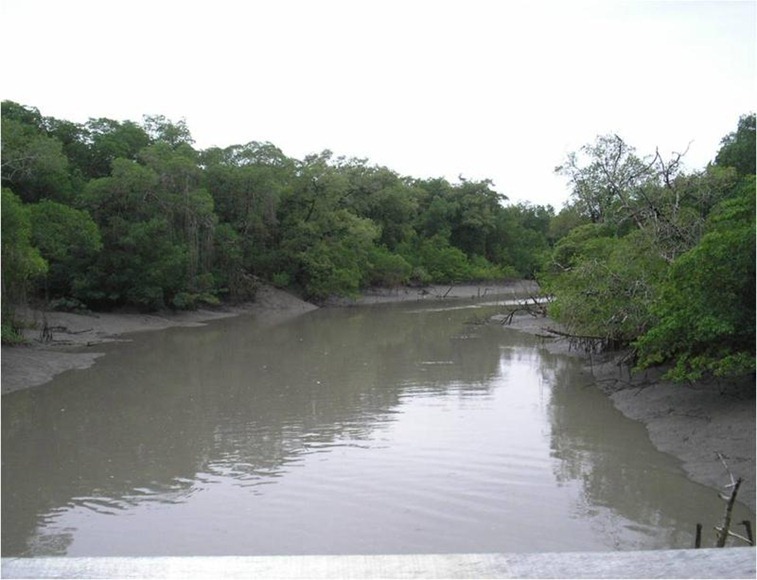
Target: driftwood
x=585 y=342
x=724 y=530
x=46 y=333
x=533 y=306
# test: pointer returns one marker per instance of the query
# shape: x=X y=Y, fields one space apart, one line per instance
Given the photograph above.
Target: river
x=390 y=429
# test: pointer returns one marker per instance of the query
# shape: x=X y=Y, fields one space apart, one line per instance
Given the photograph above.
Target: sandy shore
x=697 y=423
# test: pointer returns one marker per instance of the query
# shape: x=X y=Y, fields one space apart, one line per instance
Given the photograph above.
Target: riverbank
x=703 y=424
x=471 y=291
x=73 y=338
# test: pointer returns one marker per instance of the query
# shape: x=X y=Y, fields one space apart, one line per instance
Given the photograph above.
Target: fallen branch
x=588 y=343
x=574 y=336
x=535 y=308
x=719 y=530
x=80 y=331
x=724 y=530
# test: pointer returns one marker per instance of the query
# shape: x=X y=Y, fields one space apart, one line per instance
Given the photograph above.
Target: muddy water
x=387 y=429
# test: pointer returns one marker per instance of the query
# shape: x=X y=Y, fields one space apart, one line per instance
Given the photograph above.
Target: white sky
x=480 y=88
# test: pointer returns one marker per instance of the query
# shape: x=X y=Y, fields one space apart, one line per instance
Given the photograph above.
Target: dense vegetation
x=664 y=261
x=110 y=214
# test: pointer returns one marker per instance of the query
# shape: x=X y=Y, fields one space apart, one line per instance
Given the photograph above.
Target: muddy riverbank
x=73 y=338
x=706 y=425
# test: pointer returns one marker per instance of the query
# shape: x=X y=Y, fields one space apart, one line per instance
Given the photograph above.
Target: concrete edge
x=703 y=563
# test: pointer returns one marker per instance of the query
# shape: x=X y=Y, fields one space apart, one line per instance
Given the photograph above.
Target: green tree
x=329 y=255
x=568 y=218
x=145 y=265
x=706 y=312
x=475 y=219
x=235 y=283
x=33 y=164
x=606 y=285
x=386 y=269
x=520 y=240
x=604 y=176
x=187 y=206
x=21 y=261
x=160 y=129
x=379 y=194
x=737 y=149
x=108 y=140
x=69 y=240
x=144 y=261
x=247 y=183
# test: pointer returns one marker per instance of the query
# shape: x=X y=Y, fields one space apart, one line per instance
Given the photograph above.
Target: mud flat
x=73 y=338
x=470 y=291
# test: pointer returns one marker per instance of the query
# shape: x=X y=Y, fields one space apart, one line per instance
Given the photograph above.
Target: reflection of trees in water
x=620 y=472
x=230 y=400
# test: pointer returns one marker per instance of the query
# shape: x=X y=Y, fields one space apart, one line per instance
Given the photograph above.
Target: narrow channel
x=388 y=429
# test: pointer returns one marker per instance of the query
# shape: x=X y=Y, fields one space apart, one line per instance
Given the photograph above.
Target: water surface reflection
x=389 y=429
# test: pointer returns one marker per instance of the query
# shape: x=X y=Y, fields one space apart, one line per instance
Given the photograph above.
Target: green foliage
x=105 y=141
x=33 y=164
x=436 y=260
x=444 y=262
x=706 y=312
x=606 y=285
x=738 y=148
x=21 y=262
x=11 y=335
x=193 y=301
x=566 y=220
x=667 y=263
x=141 y=265
x=69 y=240
x=581 y=243
x=386 y=269
x=163 y=130
x=130 y=214
x=521 y=239
x=604 y=175
x=328 y=253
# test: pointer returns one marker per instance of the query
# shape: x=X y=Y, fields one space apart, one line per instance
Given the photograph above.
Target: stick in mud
x=723 y=531
x=698 y=538
x=748 y=525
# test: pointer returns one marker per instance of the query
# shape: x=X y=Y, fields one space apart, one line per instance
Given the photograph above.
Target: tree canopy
x=161 y=224
x=664 y=261
x=107 y=214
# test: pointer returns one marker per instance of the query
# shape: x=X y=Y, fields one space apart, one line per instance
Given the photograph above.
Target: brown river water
x=405 y=428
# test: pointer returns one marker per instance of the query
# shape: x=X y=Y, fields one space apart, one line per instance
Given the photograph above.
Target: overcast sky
x=484 y=89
